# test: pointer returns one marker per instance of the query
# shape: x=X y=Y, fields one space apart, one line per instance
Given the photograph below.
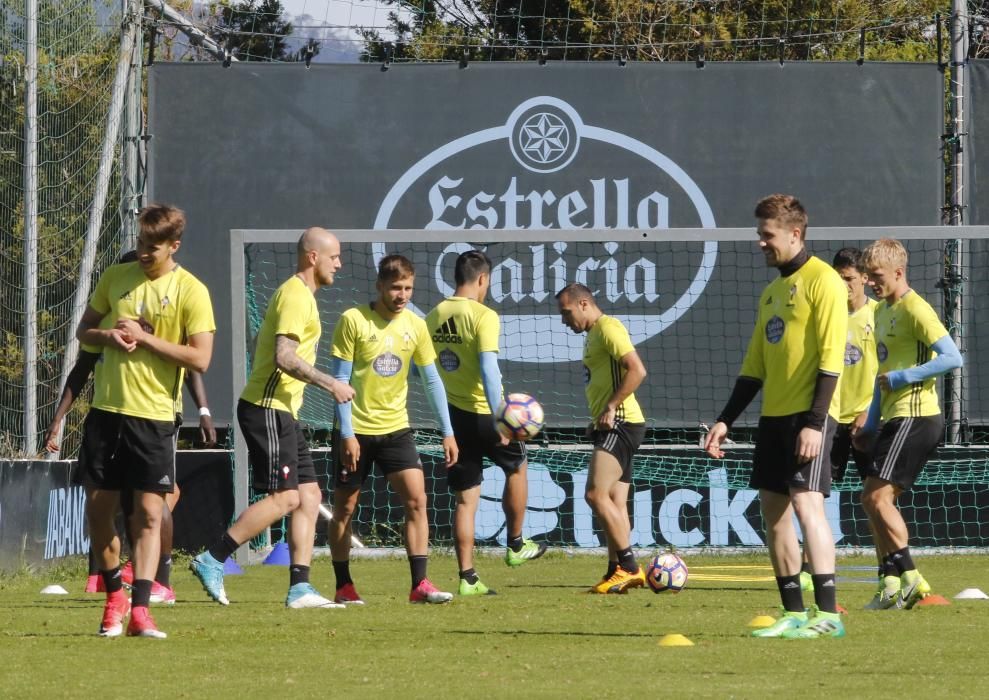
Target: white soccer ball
x=519 y=417
x=667 y=572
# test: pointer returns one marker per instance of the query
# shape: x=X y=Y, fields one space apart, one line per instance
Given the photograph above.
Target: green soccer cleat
x=887 y=594
x=913 y=589
x=789 y=621
x=819 y=624
x=477 y=588
x=806 y=582
x=529 y=550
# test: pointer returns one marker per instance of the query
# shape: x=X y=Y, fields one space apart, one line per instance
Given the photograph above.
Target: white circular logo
x=544 y=135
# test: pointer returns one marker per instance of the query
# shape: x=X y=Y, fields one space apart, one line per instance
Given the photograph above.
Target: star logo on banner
x=544 y=138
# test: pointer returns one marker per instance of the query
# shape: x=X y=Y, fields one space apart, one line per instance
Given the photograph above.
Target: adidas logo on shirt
x=447 y=332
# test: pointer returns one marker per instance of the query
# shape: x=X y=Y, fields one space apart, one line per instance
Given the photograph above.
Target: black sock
x=341 y=569
x=626 y=560
x=222 y=550
x=298 y=574
x=94 y=568
x=790 y=595
x=824 y=592
x=164 y=574
x=612 y=568
x=515 y=543
x=902 y=560
x=470 y=576
x=417 y=564
x=141 y=593
x=888 y=568
x=805 y=567
x=111 y=580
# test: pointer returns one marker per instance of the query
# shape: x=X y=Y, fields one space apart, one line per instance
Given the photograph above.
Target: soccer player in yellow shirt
x=795 y=356
x=612 y=373
x=465 y=337
x=161 y=323
x=374 y=346
x=268 y=412
x=913 y=348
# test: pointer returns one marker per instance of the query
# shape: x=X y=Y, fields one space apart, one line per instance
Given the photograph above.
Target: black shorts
x=774 y=463
x=393 y=452
x=276 y=448
x=121 y=453
x=621 y=442
x=477 y=438
x=903 y=448
x=841 y=449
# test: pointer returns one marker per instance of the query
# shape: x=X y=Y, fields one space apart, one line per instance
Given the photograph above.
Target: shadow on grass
x=550 y=633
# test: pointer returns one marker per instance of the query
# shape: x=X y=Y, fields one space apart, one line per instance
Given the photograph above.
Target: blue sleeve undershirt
x=947 y=359
x=436 y=395
x=491 y=379
x=342 y=370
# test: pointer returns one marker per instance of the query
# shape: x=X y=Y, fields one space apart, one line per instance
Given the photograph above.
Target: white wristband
x=204 y=411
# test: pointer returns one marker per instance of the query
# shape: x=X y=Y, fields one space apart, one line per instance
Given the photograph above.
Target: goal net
x=688 y=298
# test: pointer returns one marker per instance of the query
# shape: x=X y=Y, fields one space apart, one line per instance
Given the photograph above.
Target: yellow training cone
x=760 y=621
x=675 y=640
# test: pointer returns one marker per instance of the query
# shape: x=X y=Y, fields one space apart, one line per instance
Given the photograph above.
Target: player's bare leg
x=339 y=533
x=604 y=474
x=101 y=509
x=515 y=499
x=879 y=500
x=781 y=538
x=263 y=513
x=410 y=485
x=146 y=527
x=463 y=526
x=301 y=535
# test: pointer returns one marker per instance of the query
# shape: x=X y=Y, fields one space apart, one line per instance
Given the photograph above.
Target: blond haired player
x=913 y=347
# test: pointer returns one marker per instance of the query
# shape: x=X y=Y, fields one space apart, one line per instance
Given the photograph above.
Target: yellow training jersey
x=905 y=331
x=291 y=312
x=606 y=344
x=461 y=329
x=858 y=379
x=800 y=331
x=381 y=352
x=173 y=307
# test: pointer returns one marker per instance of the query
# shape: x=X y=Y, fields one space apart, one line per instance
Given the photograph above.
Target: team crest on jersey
x=774 y=329
x=387 y=364
x=793 y=293
x=449 y=360
x=853 y=354
x=882 y=352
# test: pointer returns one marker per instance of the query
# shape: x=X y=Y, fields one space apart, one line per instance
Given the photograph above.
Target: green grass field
x=541 y=636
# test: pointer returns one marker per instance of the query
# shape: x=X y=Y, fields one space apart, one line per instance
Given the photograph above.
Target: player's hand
x=350 y=454
x=207 y=432
x=606 y=421
x=884 y=382
x=864 y=442
x=715 y=436
x=342 y=392
x=51 y=439
x=121 y=341
x=808 y=444
x=131 y=330
x=450 y=450
x=858 y=423
x=502 y=440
